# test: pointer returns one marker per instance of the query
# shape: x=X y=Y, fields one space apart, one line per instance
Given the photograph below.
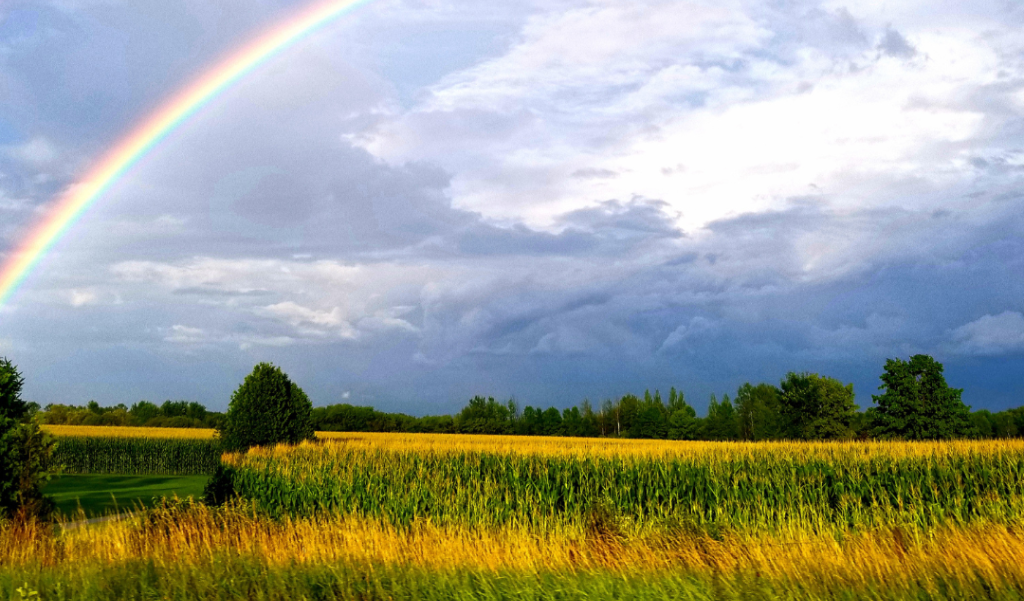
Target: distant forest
x=916 y=403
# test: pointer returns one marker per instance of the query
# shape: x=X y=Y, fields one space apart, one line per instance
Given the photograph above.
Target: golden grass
x=194 y=534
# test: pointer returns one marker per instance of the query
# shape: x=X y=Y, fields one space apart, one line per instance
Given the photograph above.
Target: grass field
x=376 y=516
x=102 y=494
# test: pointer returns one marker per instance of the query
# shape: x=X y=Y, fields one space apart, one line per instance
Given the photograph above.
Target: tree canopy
x=814 y=407
x=268 y=408
x=917 y=404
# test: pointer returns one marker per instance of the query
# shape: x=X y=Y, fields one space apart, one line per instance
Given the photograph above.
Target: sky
x=549 y=200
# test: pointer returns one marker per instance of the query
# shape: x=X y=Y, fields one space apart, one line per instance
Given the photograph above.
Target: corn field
x=837 y=487
x=135 y=456
x=378 y=516
x=129 y=432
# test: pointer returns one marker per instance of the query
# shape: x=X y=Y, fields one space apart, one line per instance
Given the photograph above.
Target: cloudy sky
x=552 y=200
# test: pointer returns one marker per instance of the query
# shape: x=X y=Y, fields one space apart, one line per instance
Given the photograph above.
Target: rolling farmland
x=440 y=516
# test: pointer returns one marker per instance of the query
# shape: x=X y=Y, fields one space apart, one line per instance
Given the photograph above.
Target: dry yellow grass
x=196 y=535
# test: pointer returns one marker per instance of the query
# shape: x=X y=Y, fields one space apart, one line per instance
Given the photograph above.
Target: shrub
x=220 y=487
x=268 y=408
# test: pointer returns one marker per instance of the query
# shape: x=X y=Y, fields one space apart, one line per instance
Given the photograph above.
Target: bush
x=268 y=408
x=220 y=487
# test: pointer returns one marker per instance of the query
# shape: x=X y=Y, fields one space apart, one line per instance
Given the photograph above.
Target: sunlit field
x=381 y=516
x=126 y=432
x=190 y=547
x=605 y=447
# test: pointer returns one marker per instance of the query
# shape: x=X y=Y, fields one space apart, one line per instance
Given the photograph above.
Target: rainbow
x=175 y=111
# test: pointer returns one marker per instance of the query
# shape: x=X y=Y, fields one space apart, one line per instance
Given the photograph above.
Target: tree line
x=169 y=414
x=915 y=403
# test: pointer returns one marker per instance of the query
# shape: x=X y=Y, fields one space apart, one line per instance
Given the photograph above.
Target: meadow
x=379 y=516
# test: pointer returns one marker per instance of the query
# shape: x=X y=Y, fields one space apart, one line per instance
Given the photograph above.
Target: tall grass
x=190 y=551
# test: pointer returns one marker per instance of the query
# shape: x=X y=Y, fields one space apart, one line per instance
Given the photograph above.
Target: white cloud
x=184 y=334
x=991 y=334
x=688 y=332
x=187 y=335
x=37 y=152
x=81 y=298
x=314 y=301
x=309 y=321
x=722 y=110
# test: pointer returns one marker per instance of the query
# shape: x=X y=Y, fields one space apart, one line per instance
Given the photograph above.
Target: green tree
x=981 y=423
x=625 y=412
x=683 y=423
x=606 y=418
x=11 y=405
x=142 y=412
x=814 y=407
x=651 y=418
x=917 y=404
x=757 y=411
x=485 y=416
x=572 y=421
x=551 y=422
x=267 y=408
x=1003 y=425
x=24 y=451
x=676 y=400
x=591 y=425
x=720 y=423
x=648 y=423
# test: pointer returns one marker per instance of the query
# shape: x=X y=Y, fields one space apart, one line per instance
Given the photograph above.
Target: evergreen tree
x=11 y=381
x=24 y=451
x=675 y=400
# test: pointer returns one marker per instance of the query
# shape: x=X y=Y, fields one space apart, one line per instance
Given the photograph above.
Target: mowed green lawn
x=101 y=494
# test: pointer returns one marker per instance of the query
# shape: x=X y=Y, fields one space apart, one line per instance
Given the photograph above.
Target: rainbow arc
x=154 y=128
